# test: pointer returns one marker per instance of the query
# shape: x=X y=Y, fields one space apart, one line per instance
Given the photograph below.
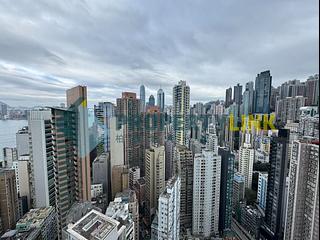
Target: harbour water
x=8 y=129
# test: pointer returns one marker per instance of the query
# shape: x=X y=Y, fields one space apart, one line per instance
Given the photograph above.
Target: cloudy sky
x=113 y=46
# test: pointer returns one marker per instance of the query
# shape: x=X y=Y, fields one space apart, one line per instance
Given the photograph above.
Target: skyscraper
x=154 y=127
x=152 y=101
x=142 y=98
x=160 y=99
x=237 y=94
x=64 y=142
x=248 y=99
x=104 y=111
x=77 y=102
x=53 y=141
x=262 y=92
x=206 y=188
x=181 y=110
x=302 y=219
x=183 y=159
x=226 y=182
x=228 y=100
x=275 y=203
x=128 y=113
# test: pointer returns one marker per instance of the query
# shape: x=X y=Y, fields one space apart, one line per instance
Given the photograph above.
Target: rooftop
x=94 y=225
x=34 y=218
x=126 y=196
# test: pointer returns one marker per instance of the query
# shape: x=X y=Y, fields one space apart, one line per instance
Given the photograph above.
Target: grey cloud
x=114 y=46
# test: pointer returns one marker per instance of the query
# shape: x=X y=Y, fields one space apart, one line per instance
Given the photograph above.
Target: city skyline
x=159 y=120
x=192 y=42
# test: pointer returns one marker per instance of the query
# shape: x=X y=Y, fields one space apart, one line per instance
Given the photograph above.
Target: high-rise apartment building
x=226 y=182
x=287 y=109
x=77 y=102
x=276 y=197
x=246 y=159
x=160 y=99
x=155 y=176
x=312 y=90
x=22 y=173
x=63 y=144
x=183 y=160
x=181 y=110
x=292 y=88
x=59 y=155
x=169 y=166
x=262 y=92
x=128 y=113
x=238 y=190
x=206 y=193
x=302 y=218
x=154 y=127
x=41 y=158
x=166 y=224
x=8 y=199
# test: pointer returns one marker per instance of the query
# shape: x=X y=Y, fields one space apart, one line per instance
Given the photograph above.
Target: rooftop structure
x=94 y=225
